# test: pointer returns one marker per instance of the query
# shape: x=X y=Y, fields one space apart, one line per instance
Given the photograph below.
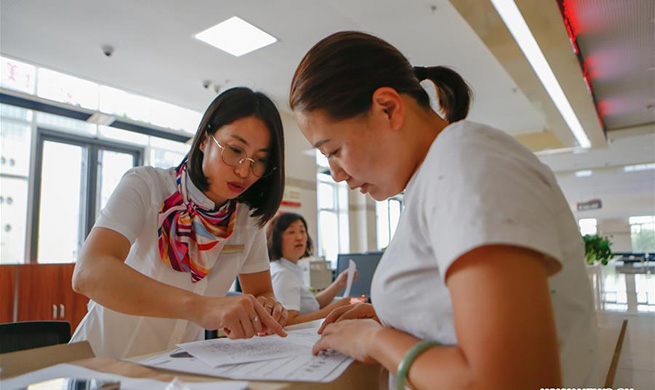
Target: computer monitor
x=366 y=265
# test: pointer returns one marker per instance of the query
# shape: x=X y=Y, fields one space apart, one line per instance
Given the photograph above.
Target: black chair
x=18 y=336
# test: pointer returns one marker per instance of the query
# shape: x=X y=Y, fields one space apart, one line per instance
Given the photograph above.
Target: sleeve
x=485 y=191
x=286 y=290
x=257 y=256
x=126 y=208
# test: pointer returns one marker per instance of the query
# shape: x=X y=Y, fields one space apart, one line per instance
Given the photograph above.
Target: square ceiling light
x=236 y=36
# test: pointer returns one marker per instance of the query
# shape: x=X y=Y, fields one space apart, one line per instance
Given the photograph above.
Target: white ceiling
x=157 y=56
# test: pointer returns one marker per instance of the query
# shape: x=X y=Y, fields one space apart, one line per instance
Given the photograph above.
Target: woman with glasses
x=484 y=283
x=167 y=247
x=288 y=242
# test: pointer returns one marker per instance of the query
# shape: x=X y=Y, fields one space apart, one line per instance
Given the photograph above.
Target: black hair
x=274 y=235
x=341 y=72
x=265 y=195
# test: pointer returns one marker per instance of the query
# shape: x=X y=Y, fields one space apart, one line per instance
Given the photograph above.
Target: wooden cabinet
x=44 y=292
x=7 y=292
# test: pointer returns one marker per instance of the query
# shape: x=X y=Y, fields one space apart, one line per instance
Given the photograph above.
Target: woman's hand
x=275 y=309
x=239 y=316
x=342 y=279
x=338 y=303
x=351 y=338
x=349 y=312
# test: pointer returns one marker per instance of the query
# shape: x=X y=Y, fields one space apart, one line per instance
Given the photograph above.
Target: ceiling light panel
x=236 y=36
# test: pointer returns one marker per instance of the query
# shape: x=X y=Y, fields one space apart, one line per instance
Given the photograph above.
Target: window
x=387 y=215
x=588 y=226
x=74 y=178
x=15 y=141
x=642 y=234
x=333 y=230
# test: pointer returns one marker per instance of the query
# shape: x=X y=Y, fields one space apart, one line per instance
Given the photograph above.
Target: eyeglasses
x=234 y=156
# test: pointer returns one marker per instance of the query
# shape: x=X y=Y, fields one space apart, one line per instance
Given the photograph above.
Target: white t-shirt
x=478 y=186
x=290 y=288
x=133 y=211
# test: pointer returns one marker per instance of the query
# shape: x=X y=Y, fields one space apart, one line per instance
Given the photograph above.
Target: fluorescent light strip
x=638 y=167
x=585 y=173
x=514 y=21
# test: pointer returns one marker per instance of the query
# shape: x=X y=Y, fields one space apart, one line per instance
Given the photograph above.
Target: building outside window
x=333 y=229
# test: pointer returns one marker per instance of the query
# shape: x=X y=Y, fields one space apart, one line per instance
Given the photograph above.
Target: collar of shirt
x=198 y=197
x=291 y=266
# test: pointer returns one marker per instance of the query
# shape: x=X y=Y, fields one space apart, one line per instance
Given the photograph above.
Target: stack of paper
x=259 y=358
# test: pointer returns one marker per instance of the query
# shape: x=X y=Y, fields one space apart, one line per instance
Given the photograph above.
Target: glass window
x=111 y=168
x=13 y=112
x=645 y=288
x=17 y=75
x=15 y=148
x=61 y=202
x=333 y=229
x=13 y=214
x=67 y=89
x=387 y=216
x=326 y=196
x=642 y=234
x=67 y=125
x=124 y=104
x=587 y=226
x=126 y=136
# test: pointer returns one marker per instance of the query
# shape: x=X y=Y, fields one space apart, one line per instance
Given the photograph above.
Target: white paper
x=218 y=352
x=352 y=267
x=72 y=371
x=307 y=368
x=303 y=367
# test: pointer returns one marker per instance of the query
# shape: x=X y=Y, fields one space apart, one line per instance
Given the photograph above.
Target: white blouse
x=290 y=288
x=478 y=186
x=133 y=211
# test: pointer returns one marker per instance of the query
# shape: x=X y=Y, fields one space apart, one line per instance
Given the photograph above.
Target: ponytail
x=341 y=72
x=453 y=92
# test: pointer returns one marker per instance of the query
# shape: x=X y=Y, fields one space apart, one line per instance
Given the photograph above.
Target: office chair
x=18 y=336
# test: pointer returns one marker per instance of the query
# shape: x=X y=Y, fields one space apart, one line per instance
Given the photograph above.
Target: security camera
x=107 y=50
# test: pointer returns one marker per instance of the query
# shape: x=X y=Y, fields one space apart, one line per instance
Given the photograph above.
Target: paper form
x=352 y=267
x=217 y=352
x=306 y=368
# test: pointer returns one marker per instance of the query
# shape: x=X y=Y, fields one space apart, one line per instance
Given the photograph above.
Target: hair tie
x=421 y=73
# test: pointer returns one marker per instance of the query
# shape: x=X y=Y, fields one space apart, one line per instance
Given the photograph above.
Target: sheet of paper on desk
x=217 y=352
x=352 y=267
x=72 y=371
x=306 y=368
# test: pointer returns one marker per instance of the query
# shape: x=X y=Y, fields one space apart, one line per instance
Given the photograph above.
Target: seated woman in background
x=289 y=242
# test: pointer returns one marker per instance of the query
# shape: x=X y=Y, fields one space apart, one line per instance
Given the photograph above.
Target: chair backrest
x=18 y=336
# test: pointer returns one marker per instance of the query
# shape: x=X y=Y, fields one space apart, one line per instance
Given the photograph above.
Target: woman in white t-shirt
x=289 y=242
x=483 y=284
x=167 y=247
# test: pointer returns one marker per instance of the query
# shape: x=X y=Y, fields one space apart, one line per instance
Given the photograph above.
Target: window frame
x=93 y=147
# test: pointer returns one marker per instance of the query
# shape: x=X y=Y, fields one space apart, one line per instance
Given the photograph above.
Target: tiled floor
x=627 y=292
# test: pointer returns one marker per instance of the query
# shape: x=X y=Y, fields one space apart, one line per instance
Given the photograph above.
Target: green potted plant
x=597 y=248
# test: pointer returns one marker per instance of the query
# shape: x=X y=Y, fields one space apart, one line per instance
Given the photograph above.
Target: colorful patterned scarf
x=190 y=237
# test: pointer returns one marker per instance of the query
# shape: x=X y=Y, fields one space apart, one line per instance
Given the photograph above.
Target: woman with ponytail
x=483 y=284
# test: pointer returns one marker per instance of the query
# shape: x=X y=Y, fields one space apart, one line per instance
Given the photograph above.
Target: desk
x=357 y=376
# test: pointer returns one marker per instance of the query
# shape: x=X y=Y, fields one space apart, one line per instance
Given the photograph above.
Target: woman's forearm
x=102 y=275
x=326 y=296
x=438 y=367
x=115 y=285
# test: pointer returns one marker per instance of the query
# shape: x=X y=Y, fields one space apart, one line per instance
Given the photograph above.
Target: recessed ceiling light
x=585 y=173
x=638 y=167
x=519 y=29
x=236 y=36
